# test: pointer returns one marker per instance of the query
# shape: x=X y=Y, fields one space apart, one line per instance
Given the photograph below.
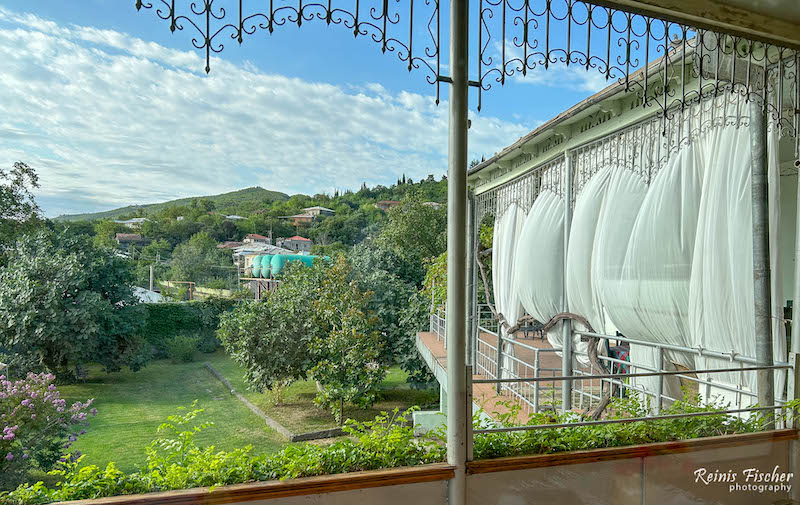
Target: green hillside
x=249 y=197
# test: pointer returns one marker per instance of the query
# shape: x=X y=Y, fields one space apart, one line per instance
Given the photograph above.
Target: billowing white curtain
x=623 y=201
x=583 y=298
x=540 y=261
x=507 y=230
x=721 y=292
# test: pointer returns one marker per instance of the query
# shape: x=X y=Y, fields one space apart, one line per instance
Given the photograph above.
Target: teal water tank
x=257 y=266
x=276 y=264
x=266 y=265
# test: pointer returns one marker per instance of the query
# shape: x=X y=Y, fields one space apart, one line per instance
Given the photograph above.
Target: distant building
x=435 y=205
x=229 y=245
x=234 y=217
x=296 y=243
x=179 y=218
x=126 y=240
x=255 y=238
x=300 y=218
x=134 y=223
x=385 y=205
x=319 y=211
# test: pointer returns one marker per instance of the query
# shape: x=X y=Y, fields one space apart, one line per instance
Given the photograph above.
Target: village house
x=385 y=205
x=296 y=243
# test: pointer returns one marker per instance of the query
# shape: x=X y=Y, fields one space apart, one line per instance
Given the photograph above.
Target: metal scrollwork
x=389 y=23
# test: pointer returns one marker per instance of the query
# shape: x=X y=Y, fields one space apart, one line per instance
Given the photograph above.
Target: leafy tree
x=415 y=231
x=317 y=324
x=105 y=232
x=347 y=358
x=67 y=303
x=19 y=212
x=380 y=270
x=194 y=260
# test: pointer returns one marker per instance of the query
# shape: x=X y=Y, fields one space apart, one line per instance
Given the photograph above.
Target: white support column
x=566 y=357
x=456 y=252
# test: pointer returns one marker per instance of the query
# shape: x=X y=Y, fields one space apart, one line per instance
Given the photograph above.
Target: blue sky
x=112 y=109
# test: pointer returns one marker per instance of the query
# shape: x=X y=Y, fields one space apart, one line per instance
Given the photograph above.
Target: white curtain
x=507 y=231
x=540 y=261
x=721 y=292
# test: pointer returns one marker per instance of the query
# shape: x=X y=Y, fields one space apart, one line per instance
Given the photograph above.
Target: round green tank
x=276 y=264
x=266 y=265
x=257 y=266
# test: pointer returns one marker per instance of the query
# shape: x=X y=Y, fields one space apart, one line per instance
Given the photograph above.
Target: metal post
x=761 y=267
x=456 y=331
x=151 y=277
x=499 y=367
x=659 y=399
x=566 y=356
x=472 y=279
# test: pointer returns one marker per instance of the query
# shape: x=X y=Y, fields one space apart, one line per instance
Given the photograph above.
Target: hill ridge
x=221 y=201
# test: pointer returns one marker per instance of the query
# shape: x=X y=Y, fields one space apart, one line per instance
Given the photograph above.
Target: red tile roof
x=255 y=235
x=298 y=237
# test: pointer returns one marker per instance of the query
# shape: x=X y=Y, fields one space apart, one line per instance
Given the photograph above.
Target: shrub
x=181 y=348
x=174 y=461
x=37 y=425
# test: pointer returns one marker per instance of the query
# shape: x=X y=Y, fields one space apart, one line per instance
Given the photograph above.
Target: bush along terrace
x=175 y=461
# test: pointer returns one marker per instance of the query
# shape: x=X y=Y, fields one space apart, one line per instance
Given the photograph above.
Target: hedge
x=165 y=321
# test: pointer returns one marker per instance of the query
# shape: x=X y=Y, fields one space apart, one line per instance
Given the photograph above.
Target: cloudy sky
x=112 y=109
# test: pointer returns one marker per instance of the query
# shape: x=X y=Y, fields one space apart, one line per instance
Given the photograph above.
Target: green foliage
x=19 y=212
x=36 y=426
x=165 y=321
x=434 y=287
x=416 y=231
x=181 y=348
x=346 y=360
x=69 y=303
x=195 y=259
x=227 y=202
x=270 y=345
x=174 y=461
x=394 y=302
x=319 y=323
x=541 y=441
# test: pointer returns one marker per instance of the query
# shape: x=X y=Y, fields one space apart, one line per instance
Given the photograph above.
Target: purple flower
x=9 y=456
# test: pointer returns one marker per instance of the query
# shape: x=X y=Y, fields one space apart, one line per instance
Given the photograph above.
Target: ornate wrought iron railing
x=668 y=65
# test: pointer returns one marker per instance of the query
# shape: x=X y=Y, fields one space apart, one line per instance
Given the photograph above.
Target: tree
x=193 y=260
x=415 y=231
x=316 y=324
x=384 y=273
x=346 y=358
x=19 y=212
x=67 y=303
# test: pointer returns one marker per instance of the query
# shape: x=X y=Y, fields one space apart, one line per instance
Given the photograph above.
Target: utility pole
x=151 y=277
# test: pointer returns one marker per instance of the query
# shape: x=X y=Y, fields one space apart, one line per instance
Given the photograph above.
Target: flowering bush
x=37 y=426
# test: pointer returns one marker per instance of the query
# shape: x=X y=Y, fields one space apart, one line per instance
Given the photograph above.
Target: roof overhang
x=767 y=20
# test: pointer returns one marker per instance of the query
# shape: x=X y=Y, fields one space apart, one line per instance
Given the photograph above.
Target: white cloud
x=110 y=120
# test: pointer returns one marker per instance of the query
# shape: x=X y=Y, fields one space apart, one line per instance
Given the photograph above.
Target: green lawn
x=298 y=412
x=131 y=406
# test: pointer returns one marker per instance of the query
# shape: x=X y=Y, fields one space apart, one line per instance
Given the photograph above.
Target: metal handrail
x=529 y=427
x=629 y=375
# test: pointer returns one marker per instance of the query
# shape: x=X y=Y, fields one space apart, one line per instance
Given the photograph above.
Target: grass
x=131 y=406
x=298 y=412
